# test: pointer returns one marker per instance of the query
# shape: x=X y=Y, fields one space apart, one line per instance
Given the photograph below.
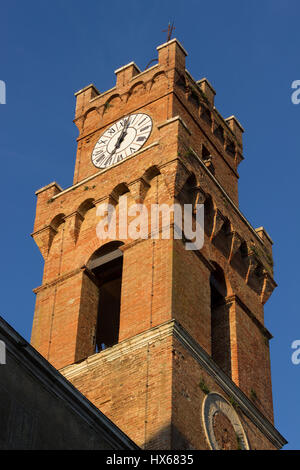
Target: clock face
x=122 y=139
x=222 y=425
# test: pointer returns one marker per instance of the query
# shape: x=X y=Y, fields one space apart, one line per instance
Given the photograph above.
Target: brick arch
x=119 y=190
x=150 y=173
x=136 y=89
x=113 y=101
x=57 y=225
x=219 y=272
x=89 y=118
x=188 y=191
x=158 y=77
x=153 y=181
x=57 y=221
x=181 y=82
x=223 y=238
x=104 y=249
x=240 y=259
x=85 y=206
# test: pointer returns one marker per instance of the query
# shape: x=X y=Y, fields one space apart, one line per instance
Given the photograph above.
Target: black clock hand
x=121 y=136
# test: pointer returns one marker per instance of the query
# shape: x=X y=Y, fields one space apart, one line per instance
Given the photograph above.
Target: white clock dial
x=122 y=139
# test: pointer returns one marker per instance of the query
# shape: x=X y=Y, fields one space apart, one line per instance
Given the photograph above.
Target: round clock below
x=222 y=425
x=121 y=140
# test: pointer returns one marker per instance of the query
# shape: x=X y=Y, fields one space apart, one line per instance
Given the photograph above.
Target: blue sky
x=248 y=49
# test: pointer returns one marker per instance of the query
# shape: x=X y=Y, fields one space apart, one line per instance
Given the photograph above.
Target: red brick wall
x=161 y=280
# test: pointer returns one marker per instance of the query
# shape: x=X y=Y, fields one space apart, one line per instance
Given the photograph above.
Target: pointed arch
x=57 y=221
x=113 y=101
x=137 y=88
x=157 y=78
x=118 y=191
x=90 y=116
x=151 y=173
x=85 y=206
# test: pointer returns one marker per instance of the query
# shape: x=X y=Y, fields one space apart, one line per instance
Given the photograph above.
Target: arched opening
x=223 y=238
x=188 y=192
x=107 y=265
x=220 y=325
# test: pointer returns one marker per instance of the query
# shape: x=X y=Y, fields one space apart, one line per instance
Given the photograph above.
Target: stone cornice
x=173 y=329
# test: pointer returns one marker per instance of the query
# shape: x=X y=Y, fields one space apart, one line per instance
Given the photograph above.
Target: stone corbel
x=236 y=242
x=219 y=221
x=74 y=222
x=268 y=287
x=138 y=189
x=253 y=265
x=43 y=238
x=199 y=197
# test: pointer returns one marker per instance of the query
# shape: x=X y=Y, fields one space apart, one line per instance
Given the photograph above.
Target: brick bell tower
x=170 y=344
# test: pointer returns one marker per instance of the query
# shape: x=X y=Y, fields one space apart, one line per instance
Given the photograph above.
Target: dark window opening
x=206 y=115
x=219 y=133
x=107 y=267
x=205 y=153
x=220 y=326
x=194 y=98
x=230 y=148
x=181 y=82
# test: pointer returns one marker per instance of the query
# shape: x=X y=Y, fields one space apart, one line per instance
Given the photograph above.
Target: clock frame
x=122 y=139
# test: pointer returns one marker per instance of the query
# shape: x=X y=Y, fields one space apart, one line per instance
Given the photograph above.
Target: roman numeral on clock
x=139 y=123
x=100 y=159
x=144 y=128
x=119 y=158
x=99 y=151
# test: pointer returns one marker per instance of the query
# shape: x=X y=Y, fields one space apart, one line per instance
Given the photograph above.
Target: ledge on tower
x=236 y=127
x=54 y=187
x=263 y=234
x=208 y=90
x=126 y=73
x=83 y=96
x=172 y=54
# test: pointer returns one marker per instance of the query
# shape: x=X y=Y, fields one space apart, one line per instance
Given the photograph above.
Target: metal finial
x=169 y=31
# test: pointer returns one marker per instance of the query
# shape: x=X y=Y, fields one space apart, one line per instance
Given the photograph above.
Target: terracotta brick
x=148 y=383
